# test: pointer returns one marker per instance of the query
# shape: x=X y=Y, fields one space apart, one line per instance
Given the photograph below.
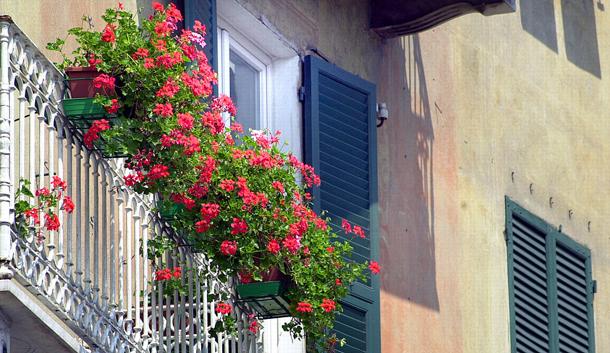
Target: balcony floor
x=33 y=327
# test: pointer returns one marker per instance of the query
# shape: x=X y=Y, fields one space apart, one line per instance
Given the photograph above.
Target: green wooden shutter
x=204 y=11
x=340 y=143
x=550 y=287
x=574 y=297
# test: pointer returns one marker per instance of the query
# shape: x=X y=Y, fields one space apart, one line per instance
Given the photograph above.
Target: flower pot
x=80 y=82
x=267 y=296
x=168 y=210
x=82 y=108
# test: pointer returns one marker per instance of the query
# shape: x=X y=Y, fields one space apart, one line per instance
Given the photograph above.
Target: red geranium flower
x=228 y=247
x=223 y=308
x=58 y=183
x=358 y=231
x=238 y=226
x=164 y=110
x=346 y=226
x=328 y=305
x=185 y=121
x=113 y=107
x=304 y=307
x=374 y=267
x=158 y=171
x=108 y=34
x=273 y=246
x=33 y=214
x=140 y=53
x=51 y=221
x=68 y=204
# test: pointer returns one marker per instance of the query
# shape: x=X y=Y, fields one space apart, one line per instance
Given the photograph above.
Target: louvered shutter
x=530 y=287
x=204 y=11
x=551 y=293
x=340 y=143
x=574 y=297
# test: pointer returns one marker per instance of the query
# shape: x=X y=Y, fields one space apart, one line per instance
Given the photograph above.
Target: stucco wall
x=483 y=107
x=43 y=21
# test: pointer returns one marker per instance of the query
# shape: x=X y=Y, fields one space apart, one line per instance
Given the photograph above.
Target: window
x=243 y=75
x=550 y=287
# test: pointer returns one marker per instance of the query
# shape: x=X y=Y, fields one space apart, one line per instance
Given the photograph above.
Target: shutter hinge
x=301 y=94
x=594 y=287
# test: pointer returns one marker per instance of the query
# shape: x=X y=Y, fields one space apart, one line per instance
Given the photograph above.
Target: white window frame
x=278 y=59
x=231 y=39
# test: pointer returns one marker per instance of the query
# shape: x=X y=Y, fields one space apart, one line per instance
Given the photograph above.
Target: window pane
x=245 y=91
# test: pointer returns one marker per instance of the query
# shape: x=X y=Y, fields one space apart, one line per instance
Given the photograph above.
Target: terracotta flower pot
x=80 y=82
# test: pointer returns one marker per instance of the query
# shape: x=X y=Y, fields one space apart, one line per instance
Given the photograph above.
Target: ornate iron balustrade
x=94 y=272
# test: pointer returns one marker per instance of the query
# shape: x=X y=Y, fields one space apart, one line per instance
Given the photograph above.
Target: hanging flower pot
x=80 y=81
x=267 y=297
x=78 y=108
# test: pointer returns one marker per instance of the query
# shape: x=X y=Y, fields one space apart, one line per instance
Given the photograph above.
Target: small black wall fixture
x=382 y=113
x=392 y=18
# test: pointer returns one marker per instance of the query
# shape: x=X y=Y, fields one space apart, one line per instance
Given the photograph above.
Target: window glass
x=245 y=91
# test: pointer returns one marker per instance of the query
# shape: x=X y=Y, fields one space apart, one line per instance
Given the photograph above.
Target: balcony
x=93 y=274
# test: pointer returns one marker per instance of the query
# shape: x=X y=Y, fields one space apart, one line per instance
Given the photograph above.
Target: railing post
x=6 y=196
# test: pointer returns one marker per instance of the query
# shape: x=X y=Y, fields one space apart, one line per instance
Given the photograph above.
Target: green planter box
x=266 y=298
x=82 y=108
x=82 y=112
x=168 y=211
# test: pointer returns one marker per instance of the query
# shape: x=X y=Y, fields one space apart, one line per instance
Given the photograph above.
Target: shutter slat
x=351 y=324
x=346 y=178
x=345 y=94
x=336 y=119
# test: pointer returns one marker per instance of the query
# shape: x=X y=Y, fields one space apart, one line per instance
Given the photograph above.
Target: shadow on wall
x=580 y=34
x=538 y=19
x=407 y=218
x=579 y=28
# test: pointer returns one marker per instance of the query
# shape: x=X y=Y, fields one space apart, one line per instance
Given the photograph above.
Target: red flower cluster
x=68 y=204
x=254 y=326
x=304 y=307
x=51 y=221
x=167 y=274
x=93 y=133
x=223 y=308
x=169 y=89
x=164 y=110
x=328 y=305
x=185 y=121
x=228 y=247
x=46 y=204
x=105 y=82
x=108 y=34
x=114 y=106
x=273 y=246
x=224 y=104
x=374 y=267
x=158 y=171
x=238 y=226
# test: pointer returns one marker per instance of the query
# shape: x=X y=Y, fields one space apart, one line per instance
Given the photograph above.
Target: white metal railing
x=94 y=271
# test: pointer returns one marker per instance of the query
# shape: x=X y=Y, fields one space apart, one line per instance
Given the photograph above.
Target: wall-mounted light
x=382 y=113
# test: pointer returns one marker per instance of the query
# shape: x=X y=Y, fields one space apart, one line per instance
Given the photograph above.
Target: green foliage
x=234 y=197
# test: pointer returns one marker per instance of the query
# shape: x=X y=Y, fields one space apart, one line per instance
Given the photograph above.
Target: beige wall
x=43 y=21
x=472 y=103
